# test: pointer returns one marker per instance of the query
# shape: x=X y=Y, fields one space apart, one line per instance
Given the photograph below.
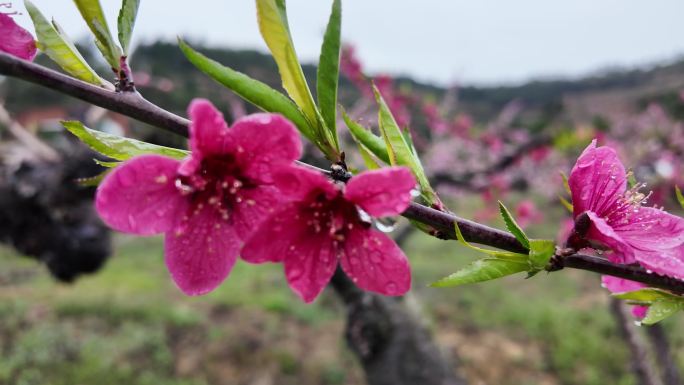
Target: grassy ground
x=129 y=325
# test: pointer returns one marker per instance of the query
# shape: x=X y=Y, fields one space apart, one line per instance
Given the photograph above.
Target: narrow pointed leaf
x=126 y=22
x=513 y=226
x=680 y=197
x=372 y=142
x=566 y=185
x=92 y=181
x=660 y=310
x=272 y=19
x=522 y=258
x=398 y=150
x=118 y=147
x=107 y=164
x=541 y=251
x=568 y=206
x=409 y=140
x=482 y=270
x=329 y=71
x=54 y=42
x=367 y=157
x=647 y=295
x=92 y=13
x=253 y=91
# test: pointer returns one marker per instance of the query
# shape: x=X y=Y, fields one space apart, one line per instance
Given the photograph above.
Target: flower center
x=628 y=205
x=336 y=217
x=218 y=183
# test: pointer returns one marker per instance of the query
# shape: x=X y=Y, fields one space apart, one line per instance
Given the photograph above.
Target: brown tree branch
x=135 y=106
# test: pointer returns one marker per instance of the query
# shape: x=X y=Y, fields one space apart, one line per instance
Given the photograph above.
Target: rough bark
x=641 y=365
x=661 y=347
x=390 y=341
x=393 y=347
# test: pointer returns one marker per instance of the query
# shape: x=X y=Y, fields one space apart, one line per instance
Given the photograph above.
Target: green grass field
x=130 y=325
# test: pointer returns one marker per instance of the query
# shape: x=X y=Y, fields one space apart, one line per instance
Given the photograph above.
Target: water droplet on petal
x=391 y=288
x=386 y=225
x=415 y=192
x=132 y=222
x=365 y=217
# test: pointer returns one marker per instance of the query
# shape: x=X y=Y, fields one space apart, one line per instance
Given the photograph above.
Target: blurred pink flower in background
x=527 y=213
x=396 y=100
x=539 y=154
x=350 y=66
x=461 y=126
x=434 y=119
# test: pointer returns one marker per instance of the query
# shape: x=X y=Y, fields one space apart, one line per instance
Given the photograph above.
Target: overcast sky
x=469 y=41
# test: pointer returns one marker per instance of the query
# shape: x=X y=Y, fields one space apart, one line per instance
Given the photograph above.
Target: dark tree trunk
x=46 y=215
x=661 y=347
x=393 y=347
x=640 y=362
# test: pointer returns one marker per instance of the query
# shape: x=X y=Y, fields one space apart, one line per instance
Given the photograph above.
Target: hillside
x=582 y=99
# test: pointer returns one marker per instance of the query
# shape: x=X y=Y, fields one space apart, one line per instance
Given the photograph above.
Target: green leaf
x=329 y=71
x=92 y=181
x=541 y=251
x=409 y=140
x=398 y=150
x=631 y=179
x=272 y=19
x=92 y=13
x=482 y=270
x=118 y=147
x=253 y=91
x=107 y=164
x=126 y=22
x=367 y=157
x=54 y=42
x=646 y=295
x=508 y=255
x=372 y=142
x=680 y=197
x=660 y=310
x=566 y=184
x=568 y=206
x=513 y=226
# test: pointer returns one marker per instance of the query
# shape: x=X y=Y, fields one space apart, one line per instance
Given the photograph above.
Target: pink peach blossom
x=16 y=40
x=322 y=226
x=209 y=202
x=526 y=213
x=614 y=216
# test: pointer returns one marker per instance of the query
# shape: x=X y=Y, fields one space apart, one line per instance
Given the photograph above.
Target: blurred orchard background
x=500 y=98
